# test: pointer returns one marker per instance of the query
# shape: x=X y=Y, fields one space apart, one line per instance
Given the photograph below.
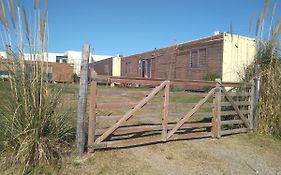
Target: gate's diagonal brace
x=130 y=113
x=191 y=112
x=244 y=119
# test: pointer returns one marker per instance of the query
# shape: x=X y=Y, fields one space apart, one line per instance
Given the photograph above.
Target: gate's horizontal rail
x=145 y=93
x=231 y=122
x=172 y=115
x=158 y=81
x=171 y=105
x=150 y=105
x=234 y=131
x=148 y=140
x=234 y=112
x=154 y=127
x=175 y=94
x=157 y=127
x=153 y=116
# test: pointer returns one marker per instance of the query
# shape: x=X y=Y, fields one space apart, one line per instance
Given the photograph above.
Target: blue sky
x=132 y=26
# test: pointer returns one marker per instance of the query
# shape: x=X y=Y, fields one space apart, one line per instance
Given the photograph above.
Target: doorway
x=146 y=68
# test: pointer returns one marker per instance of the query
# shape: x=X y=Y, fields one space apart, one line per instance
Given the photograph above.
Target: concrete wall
x=116 y=66
x=238 y=52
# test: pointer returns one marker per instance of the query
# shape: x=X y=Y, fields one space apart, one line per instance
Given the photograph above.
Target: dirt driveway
x=238 y=154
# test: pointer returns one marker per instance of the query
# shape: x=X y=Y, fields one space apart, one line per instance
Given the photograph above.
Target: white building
x=72 y=57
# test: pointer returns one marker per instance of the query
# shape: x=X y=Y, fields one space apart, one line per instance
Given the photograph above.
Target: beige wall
x=238 y=52
x=116 y=66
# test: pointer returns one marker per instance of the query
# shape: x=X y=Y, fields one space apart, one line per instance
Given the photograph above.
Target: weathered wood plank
x=171 y=104
x=148 y=140
x=153 y=116
x=239 y=94
x=238 y=103
x=145 y=93
x=234 y=131
x=190 y=135
x=154 y=127
x=158 y=81
x=188 y=94
x=231 y=122
x=165 y=111
x=236 y=107
x=217 y=111
x=116 y=105
x=190 y=113
x=223 y=113
x=130 y=113
x=153 y=105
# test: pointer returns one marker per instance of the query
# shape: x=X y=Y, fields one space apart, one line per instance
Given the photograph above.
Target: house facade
x=223 y=55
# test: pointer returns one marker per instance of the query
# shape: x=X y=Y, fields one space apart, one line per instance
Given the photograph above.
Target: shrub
x=75 y=78
x=210 y=77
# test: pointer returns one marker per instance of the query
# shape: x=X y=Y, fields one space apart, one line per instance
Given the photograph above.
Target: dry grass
x=34 y=130
x=269 y=60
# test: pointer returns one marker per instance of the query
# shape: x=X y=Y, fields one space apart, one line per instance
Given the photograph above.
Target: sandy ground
x=238 y=154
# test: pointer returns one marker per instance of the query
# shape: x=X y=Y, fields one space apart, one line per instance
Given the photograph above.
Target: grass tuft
x=34 y=131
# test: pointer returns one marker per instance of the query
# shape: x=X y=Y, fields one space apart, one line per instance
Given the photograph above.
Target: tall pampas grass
x=268 y=58
x=33 y=130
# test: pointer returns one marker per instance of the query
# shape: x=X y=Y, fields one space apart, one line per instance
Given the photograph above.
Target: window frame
x=199 y=65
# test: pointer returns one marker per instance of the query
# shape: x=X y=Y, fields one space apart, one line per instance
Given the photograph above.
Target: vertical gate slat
x=216 y=122
x=165 y=111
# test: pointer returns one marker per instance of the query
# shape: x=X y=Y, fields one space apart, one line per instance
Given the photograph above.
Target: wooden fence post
x=92 y=114
x=256 y=96
x=216 y=121
x=165 y=111
x=252 y=105
x=82 y=102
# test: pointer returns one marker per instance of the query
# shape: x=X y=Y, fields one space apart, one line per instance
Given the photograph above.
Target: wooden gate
x=220 y=109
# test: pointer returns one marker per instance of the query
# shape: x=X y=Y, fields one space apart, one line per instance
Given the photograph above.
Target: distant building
x=223 y=55
x=110 y=66
x=68 y=57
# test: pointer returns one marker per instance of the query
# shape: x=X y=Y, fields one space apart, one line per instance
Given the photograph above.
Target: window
x=106 y=69
x=194 y=59
x=127 y=68
x=61 y=59
x=198 y=58
x=202 y=57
